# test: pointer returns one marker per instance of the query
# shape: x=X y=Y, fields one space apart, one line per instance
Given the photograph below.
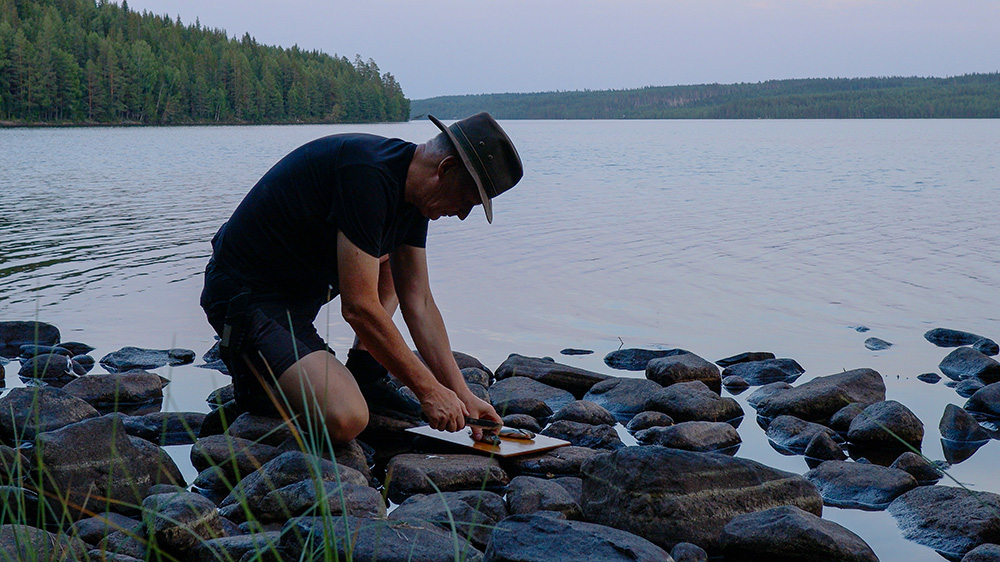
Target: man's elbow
x=356 y=314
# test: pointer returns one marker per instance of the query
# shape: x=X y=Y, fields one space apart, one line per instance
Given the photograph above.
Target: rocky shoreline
x=86 y=478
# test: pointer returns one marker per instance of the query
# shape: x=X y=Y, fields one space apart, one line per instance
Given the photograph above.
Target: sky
x=447 y=47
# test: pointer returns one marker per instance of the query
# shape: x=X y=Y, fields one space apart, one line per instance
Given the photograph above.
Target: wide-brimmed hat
x=487 y=153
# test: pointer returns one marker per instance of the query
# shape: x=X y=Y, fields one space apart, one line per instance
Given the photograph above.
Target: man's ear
x=448 y=163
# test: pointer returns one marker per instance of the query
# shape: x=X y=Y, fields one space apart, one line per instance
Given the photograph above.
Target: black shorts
x=270 y=336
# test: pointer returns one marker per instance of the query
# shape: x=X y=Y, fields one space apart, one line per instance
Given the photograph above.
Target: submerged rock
x=136 y=358
x=693 y=401
x=966 y=362
x=14 y=334
x=574 y=351
x=950 y=520
x=684 y=367
x=877 y=344
x=537 y=538
x=699 y=436
x=859 y=485
x=577 y=381
x=790 y=534
x=636 y=359
x=817 y=400
x=766 y=371
x=623 y=397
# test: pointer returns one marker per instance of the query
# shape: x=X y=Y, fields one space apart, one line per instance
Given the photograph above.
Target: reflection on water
x=716 y=237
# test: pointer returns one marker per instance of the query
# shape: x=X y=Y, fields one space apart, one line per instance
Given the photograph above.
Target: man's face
x=457 y=195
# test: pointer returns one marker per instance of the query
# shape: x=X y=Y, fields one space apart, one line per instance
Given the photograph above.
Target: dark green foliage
x=93 y=61
x=969 y=96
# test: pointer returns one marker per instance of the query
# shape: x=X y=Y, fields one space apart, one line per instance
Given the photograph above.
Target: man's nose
x=464 y=213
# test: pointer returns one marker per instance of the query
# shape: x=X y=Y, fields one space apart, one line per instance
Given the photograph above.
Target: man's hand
x=479 y=409
x=443 y=409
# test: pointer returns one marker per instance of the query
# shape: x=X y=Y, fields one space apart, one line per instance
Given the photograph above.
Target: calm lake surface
x=715 y=236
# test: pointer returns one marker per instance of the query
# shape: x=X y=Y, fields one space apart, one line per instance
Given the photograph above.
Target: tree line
x=87 y=61
x=966 y=96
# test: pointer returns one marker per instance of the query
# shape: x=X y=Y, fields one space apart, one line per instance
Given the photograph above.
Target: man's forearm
x=431 y=338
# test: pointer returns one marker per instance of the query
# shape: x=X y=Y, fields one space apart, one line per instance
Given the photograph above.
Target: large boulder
x=694 y=401
x=512 y=391
x=21 y=542
x=28 y=411
x=950 y=520
x=538 y=538
x=414 y=473
x=684 y=367
x=584 y=411
x=585 y=435
x=788 y=534
x=966 y=362
x=561 y=461
x=820 y=398
x=633 y=359
x=135 y=358
x=983 y=553
x=669 y=496
x=14 y=334
x=576 y=381
x=886 y=425
x=179 y=521
x=307 y=496
x=529 y=494
x=764 y=391
x=623 y=397
x=701 y=436
x=474 y=513
x=234 y=457
x=119 y=391
x=767 y=371
x=859 y=485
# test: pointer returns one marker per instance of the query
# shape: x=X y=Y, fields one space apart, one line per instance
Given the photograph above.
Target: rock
x=883 y=425
x=841 y=421
x=744 y=358
x=967 y=387
x=473 y=375
x=14 y=334
x=735 y=384
x=669 y=496
x=623 y=397
x=790 y=534
x=574 y=351
x=306 y=496
x=860 y=329
x=218 y=420
x=166 y=428
x=93 y=529
x=262 y=429
x=82 y=364
x=522 y=421
x=96 y=466
x=985 y=401
x=684 y=367
x=766 y=371
x=21 y=504
x=765 y=391
x=949 y=520
x=479 y=391
x=121 y=546
x=465 y=361
x=29 y=350
x=859 y=485
x=877 y=344
x=510 y=392
x=76 y=348
x=944 y=337
x=475 y=513
x=633 y=359
x=929 y=378
x=220 y=396
x=700 y=436
x=370 y=540
x=109 y=392
x=817 y=400
x=584 y=435
x=694 y=401
x=21 y=542
x=411 y=474
x=792 y=435
x=48 y=366
x=235 y=457
x=958 y=425
x=824 y=447
x=563 y=461
x=922 y=470
x=986 y=346
x=180 y=521
x=687 y=552
x=528 y=494
x=646 y=420
x=254 y=546
x=28 y=411
x=584 y=411
x=135 y=358
x=537 y=538
x=983 y=553
x=966 y=362
x=571 y=379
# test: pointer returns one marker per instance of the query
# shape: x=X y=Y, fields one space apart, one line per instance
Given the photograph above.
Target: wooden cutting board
x=506 y=448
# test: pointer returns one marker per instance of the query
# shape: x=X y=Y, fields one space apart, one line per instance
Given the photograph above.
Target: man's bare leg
x=319 y=387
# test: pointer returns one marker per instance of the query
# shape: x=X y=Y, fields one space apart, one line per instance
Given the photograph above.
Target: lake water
x=714 y=236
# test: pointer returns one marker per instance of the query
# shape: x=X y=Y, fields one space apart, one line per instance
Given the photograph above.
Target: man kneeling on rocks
x=347 y=215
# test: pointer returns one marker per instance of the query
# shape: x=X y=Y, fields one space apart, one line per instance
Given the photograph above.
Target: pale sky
x=443 y=47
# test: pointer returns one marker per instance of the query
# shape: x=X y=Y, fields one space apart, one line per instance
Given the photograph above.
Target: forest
x=967 y=96
x=97 y=62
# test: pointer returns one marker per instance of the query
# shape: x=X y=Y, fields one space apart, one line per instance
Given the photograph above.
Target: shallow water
x=714 y=236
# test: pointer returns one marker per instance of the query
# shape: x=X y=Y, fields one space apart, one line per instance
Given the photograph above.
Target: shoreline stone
x=572 y=379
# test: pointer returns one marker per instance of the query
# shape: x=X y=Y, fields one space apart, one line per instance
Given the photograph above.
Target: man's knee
x=347 y=423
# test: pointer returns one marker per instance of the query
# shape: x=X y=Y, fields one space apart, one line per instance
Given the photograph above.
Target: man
x=347 y=214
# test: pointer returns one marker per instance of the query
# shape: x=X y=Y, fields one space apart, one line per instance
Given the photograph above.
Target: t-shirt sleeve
x=361 y=207
x=417 y=235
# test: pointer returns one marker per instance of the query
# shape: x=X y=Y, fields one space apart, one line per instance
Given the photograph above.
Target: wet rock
x=985 y=401
x=14 y=334
x=411 y=474
x=93 y=529
x=735 y=384
x=254 y=546
x=687 y=552
x=949 y=520
x=745 y=357
x=47 y=366
x=966 y=362
x=636 y=359
x=986 y=347
x=212 y=360
x=623 y=397
x=792 y=435
x=306 y=496
x=563 y=461
x=824 y=447
x=922 y=470
x=944 y=337
x=646 y=420
x=694 y=401
x=537 y=538
x=27 y=411
x=473 y=375
x=684 y=367
x=983 y=553
x=82 y=364
x=877 y=344
x=522 y=421
x=179 y=521
x=883 y=424
x=511 y=395
x=109 y=392
x=218 y=420
x=818 y=399
x=475 y=513
x=765 y=391
x=382 y=540
x=166 y=428
x=98 y=467
x=21 y=542
x=700 y=436
x=859 y=485
x=235 y=457
x=571 y=379
x=958 y=425
x=221 y=396
x=30 y=350
x=135 y=358
x=860 y=329
x=76 y=348
x=528 y=494
x=574 y=351
x=585 y=435
x=766 y=371
x=841 y=421
x=966 y=388
x=790 y=534
x=643 y=489
x=929 y=378
x=584 y=411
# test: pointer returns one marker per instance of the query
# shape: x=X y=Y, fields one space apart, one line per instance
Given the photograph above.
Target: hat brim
x=463 y=153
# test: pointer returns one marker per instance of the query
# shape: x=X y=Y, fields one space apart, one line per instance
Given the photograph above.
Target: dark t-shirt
x=282 y=239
